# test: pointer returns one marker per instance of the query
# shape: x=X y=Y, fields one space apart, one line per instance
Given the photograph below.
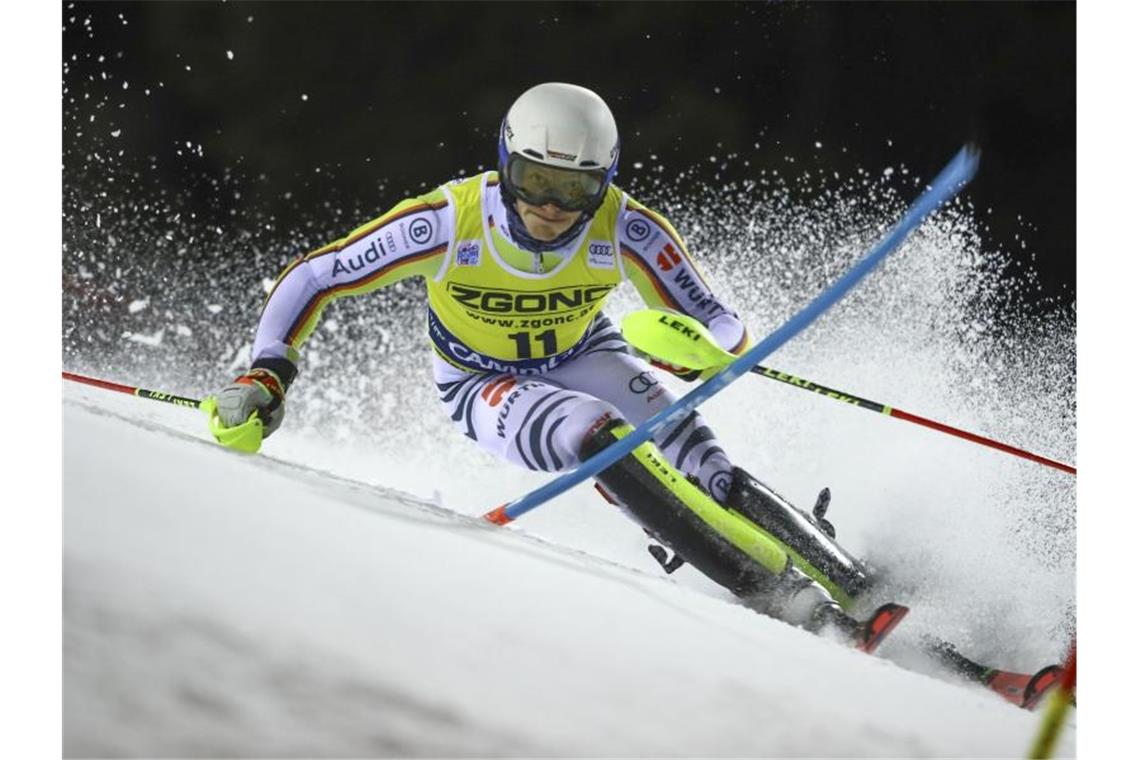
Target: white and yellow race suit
x=525 y=361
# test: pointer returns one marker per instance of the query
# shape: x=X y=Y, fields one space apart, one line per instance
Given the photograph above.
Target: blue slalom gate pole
x=945 y=186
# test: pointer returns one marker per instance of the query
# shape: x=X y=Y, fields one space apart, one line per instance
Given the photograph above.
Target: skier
x=518 y=265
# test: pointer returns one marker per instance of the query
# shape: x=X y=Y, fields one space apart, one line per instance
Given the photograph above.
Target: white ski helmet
x=558 y=144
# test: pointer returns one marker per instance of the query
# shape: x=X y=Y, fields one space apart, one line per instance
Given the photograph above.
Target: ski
x=1022 y=689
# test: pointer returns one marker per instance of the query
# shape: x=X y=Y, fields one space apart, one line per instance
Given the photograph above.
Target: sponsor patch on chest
x=467 y=253
x=600 y=254
x=503 y=301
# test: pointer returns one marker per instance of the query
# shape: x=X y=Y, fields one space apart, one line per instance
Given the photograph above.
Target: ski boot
x=798 y=600
x=754 y=545
x=811 y=539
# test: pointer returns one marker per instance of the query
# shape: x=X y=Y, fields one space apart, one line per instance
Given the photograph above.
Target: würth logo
x=493 y=392
x=668 y=258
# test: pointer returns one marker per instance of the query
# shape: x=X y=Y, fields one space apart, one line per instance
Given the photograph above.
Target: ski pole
x=169 y=398
x=245 y=437
x=945 y=186
x=1059 y=705
x=683 y=341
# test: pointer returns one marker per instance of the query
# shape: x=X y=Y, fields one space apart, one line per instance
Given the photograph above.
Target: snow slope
x=221 y=605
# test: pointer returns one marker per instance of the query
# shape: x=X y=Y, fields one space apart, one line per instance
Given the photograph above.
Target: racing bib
x=488 y=315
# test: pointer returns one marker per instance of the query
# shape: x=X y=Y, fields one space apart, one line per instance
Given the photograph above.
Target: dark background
x=402 y=96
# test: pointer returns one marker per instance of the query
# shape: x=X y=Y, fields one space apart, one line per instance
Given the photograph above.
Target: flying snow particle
x=116 y=133
x=230 y=54
x=304 y=96
x=138 y=305
x=147 y=340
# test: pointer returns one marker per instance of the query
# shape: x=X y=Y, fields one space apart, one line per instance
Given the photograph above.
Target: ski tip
x=1042 y=682
x=884 y=620
x=1025 y=691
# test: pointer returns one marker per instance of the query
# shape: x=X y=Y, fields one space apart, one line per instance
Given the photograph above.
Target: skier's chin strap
x=528 y=242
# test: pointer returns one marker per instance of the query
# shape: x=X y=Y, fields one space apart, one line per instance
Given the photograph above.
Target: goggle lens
x=539 y=184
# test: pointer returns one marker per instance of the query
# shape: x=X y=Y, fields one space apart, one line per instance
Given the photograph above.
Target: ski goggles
x=568 y=189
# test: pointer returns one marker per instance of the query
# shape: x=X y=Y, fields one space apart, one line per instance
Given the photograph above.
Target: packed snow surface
x=226 y=605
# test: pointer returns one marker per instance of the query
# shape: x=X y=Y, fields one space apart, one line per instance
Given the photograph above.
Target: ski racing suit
x=526 y=363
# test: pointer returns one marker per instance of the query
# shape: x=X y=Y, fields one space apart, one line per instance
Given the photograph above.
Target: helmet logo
x=507 y=130
x=563 y=156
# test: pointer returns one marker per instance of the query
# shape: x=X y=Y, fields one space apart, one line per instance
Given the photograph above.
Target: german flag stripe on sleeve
x=296 y=262
x=394 y=215
x=650 y=275
x=664 y=224
x=322 y=298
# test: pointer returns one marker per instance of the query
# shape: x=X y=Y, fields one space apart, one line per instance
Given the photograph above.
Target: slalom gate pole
x=1059 y=704
x=945 y=186
x=140 y=392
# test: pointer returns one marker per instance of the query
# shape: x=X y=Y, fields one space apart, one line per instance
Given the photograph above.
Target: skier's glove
x=259 y=390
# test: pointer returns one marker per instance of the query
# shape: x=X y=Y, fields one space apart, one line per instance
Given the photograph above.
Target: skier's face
x=547 y=221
